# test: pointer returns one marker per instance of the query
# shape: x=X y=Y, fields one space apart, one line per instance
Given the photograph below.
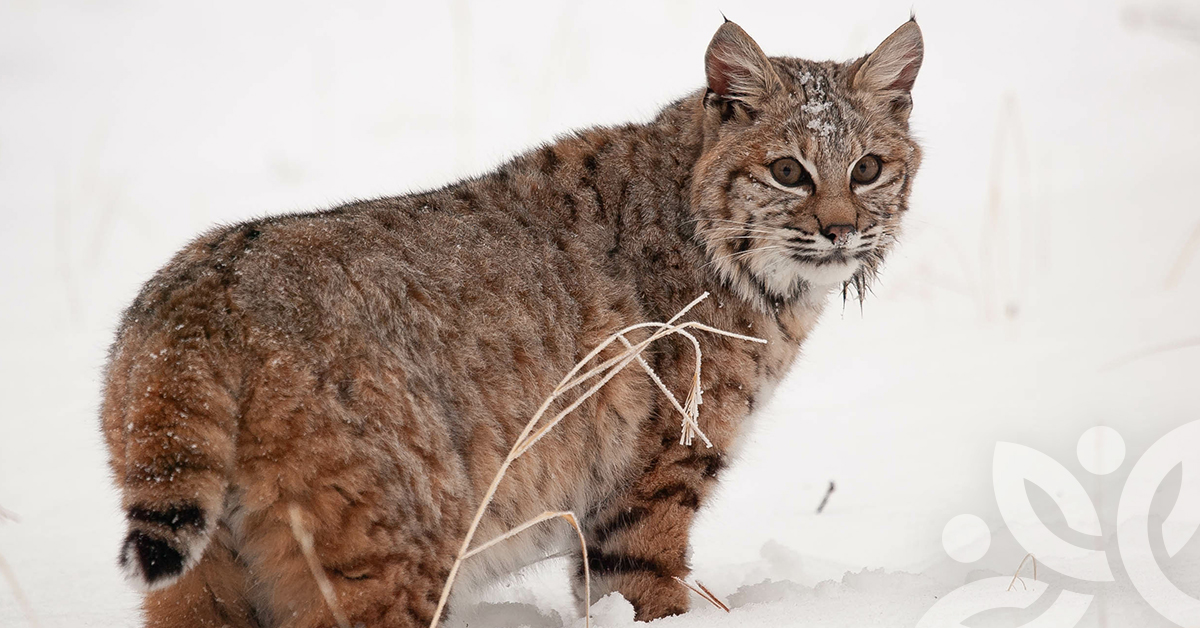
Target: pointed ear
x=894 y=65
x=737 y=70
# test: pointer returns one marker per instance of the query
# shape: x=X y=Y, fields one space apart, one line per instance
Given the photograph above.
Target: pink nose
x=837 y=234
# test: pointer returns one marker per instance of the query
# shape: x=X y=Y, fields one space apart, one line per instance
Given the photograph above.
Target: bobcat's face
x=806 y=167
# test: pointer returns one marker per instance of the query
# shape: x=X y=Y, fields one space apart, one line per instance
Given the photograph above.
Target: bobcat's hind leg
x=383 y=573
x=213 y=593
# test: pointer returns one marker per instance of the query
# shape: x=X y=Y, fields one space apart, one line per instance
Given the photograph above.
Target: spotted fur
x=373 y=363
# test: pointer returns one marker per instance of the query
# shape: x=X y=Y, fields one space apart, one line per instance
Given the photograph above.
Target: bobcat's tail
x=170 y=424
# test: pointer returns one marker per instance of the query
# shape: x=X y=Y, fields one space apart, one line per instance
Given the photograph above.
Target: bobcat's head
x=807 y=166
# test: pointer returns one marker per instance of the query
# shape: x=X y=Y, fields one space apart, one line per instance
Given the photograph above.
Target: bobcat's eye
x=866 y=170
x=789 y=172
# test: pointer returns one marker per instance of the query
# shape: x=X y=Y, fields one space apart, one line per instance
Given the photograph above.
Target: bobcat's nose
x=837 y=234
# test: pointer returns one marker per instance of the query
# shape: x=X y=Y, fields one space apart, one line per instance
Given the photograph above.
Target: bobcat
x=373 y=363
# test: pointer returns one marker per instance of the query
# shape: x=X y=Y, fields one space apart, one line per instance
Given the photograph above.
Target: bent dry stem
x=690 y=411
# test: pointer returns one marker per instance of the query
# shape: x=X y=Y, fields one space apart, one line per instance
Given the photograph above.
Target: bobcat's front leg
x=638 y=543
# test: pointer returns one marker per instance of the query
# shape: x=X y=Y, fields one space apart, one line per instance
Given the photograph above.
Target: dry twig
x=1184 y=258
x=1016 y=576
x=606 y=370
x=304 y=538
x=22 y=601
x=1151 y=351
x=704 y=593
x=11 y=577
x=825 y=500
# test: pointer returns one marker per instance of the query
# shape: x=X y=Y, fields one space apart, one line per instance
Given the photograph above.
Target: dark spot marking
x=730 y=179
x=623 y=520
x=550 y=160
x=602 y=563
x=175 y=517
x=709 y=464
x=617 y=228
x=569 y=201
x=422 y=618
x=156 y=558
x=669 y=490
x=689 y=498
x=465 y=195
x=600 y=209
x=344 y=493
x=345 y=390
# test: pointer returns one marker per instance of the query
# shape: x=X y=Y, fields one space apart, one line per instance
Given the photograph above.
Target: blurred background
x=1048 y=280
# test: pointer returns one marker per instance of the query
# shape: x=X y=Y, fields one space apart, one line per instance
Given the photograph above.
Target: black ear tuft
x=156 y=559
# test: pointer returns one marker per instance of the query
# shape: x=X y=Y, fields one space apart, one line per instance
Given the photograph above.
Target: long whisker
x=739 y=230
x=751 y=237
x=736 y=229
x=747 y=225
x=761 y=249
x=733 y=256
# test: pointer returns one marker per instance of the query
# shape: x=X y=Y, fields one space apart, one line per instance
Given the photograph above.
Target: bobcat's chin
x=789 y=277
x=827 y=274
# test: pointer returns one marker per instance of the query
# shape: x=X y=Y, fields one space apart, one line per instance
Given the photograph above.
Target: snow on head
x=817 y=106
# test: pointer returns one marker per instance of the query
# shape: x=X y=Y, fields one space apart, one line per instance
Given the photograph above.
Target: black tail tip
x=150 y=562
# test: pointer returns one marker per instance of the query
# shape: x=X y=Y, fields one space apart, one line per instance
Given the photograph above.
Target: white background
x=1048 y=240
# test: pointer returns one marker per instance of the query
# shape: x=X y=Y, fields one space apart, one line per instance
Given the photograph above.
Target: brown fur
x=373 y=363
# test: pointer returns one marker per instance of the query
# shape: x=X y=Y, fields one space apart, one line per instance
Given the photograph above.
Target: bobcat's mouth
x=790 y=261
x=837 y=256
x=825 y=264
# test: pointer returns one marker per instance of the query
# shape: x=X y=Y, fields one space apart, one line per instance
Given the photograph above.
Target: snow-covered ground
x=1047 y=256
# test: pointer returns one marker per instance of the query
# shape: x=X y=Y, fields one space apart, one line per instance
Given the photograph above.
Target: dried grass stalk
x=1185 y=257
x=704 y=593
x=22 y=601
x=570 y=518
x=11 y=577
x=1017 y=575
x=605 y=370
x=713 y=597
x=1151 y=352
x=304 y=538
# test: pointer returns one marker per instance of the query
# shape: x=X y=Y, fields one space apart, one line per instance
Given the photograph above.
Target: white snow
x=1045 y=250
